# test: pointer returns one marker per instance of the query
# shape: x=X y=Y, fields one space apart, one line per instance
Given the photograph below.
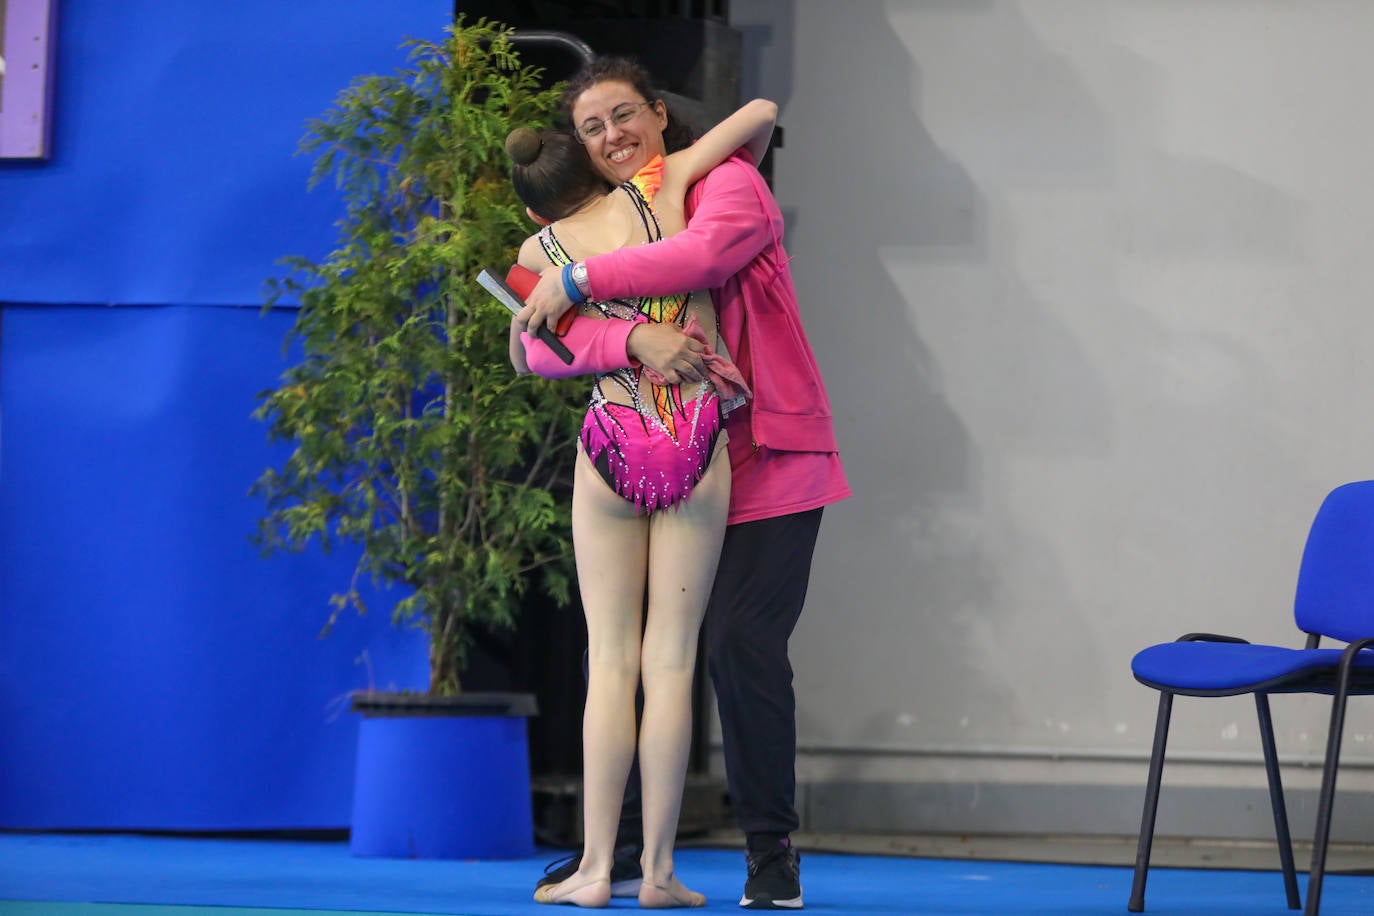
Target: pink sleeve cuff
x=597 y=346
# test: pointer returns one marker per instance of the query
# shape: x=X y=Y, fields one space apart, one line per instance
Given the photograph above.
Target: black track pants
x=757 y=598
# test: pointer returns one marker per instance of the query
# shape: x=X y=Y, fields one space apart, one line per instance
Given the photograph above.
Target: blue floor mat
x=166 y=875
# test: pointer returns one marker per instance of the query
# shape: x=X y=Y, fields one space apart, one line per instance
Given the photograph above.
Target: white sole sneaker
x=794 y=903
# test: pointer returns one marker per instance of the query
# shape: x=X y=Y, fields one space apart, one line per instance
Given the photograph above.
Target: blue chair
x=1335 y=598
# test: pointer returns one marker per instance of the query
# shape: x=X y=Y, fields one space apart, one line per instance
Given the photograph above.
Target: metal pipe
x=1059 y=755
x=570 y=43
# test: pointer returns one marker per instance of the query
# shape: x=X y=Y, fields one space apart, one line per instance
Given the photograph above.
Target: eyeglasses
x=621 y=115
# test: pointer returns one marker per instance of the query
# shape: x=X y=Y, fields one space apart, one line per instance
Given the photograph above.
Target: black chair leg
x=1271 y=769
x=1147 y=817
x=1328 y=794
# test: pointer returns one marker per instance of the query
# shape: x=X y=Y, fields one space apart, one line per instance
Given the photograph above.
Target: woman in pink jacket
x=784 y=458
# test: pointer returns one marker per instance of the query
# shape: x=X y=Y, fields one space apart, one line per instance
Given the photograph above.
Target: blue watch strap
x=569 y=287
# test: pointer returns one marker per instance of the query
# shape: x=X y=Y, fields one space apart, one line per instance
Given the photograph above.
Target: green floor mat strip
x=51 y=908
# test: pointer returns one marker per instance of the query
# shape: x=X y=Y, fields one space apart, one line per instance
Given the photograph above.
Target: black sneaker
x=774 y=880
x=626 y=874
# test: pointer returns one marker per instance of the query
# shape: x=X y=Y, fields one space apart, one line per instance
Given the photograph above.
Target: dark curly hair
x=677 y=135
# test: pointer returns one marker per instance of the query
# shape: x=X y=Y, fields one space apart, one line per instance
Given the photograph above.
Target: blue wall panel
x=173 y=178
x=155 y=670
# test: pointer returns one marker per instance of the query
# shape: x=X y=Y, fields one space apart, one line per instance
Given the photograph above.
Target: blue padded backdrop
x=155 y=671
x=174 y=179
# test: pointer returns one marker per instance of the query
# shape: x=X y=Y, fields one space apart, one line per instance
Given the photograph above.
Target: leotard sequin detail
x=653 y=450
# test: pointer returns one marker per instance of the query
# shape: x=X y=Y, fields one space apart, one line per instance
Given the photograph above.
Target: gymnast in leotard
x=651 y=486
x=650 y=441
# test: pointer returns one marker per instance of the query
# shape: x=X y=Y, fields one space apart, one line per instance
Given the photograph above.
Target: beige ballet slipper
x=593 y=893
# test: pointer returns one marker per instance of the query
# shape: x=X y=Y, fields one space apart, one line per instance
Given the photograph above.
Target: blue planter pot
x=443 y=777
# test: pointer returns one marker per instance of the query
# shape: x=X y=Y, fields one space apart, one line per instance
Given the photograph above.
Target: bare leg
x=611 y=543
x=684 y=547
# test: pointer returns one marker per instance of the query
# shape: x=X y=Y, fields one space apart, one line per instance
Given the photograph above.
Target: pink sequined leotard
x=655 y=448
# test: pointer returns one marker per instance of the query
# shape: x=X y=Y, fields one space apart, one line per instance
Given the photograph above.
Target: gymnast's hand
x=668 y=351
x=546 y=302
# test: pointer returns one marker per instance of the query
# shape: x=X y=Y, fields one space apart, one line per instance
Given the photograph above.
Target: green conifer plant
x=411 y=435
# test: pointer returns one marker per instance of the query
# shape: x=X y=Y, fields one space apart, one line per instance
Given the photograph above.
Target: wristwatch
x=579 y=278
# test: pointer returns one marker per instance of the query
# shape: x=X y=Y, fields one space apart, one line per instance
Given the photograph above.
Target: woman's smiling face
x=618 y=151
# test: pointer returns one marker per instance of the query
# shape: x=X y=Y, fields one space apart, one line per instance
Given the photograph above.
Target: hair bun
x=523 y=144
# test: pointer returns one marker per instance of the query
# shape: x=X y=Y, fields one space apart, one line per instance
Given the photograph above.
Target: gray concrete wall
x=1090 y=281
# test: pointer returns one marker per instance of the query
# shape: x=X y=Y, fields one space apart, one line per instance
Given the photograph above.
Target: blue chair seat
x=1214 y=667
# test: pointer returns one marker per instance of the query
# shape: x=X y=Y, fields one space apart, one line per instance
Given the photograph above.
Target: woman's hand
x=546 y=302
x=668 y=351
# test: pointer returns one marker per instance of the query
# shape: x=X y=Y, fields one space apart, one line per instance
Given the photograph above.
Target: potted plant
x=413 y=438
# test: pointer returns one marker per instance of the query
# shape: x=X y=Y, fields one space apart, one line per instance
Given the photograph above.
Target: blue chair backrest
x=1335 y=594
